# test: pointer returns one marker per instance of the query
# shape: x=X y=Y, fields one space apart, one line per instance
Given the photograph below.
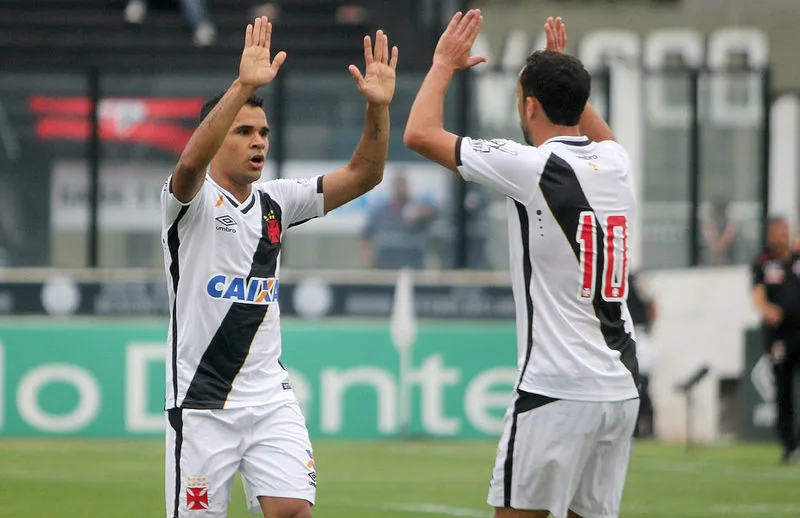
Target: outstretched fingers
x=393 y=60
x=277 y=61
x=248 y=36
x=453 y=25
x=378 y=52
x=268 y=35
x=262 y=40
x=473 y=28
x=257 y=32
x=467 y=23
x=356 y=73
x=367 y=50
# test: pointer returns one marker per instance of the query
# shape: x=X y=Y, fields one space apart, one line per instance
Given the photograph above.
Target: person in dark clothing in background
x=396 y=234
x=776 y=294
x=643 y=313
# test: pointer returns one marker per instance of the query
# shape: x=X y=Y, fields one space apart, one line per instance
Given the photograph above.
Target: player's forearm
x=208 y=136
x=369 y=157
x=593 y=126
x=427 y=112
x=760 y=298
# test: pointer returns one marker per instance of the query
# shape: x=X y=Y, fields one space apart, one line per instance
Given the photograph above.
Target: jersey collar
x=243 y=207
x=571 y=141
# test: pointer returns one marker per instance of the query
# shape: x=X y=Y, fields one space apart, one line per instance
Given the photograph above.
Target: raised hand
x=456 y=41
x=556 y=34
x=256 y=69
x=377 y=83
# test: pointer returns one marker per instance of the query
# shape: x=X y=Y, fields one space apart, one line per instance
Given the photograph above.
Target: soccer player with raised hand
x=571 y=206
x=230 y=403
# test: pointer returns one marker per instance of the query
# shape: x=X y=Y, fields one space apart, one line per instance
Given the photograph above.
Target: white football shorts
x=558 y=455
x=268 y=444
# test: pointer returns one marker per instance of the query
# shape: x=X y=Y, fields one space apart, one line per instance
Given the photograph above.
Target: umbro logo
x=226 y=222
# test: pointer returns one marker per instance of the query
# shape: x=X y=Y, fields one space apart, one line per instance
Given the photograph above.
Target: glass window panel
x=731 y=143
x=325 y=120
x=43 y=121
x=665 y=205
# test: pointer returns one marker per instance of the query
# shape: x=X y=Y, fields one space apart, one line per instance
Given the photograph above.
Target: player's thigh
x=201 y=461
x=599 y=491
x=278 y=460
x=542 y=453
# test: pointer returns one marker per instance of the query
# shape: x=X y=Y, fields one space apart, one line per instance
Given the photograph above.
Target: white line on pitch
x=438 y=509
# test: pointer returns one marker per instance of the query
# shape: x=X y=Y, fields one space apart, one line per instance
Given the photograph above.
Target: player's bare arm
x=256 y=69
x=365 y=168
x=591 y=124
x=425 y=131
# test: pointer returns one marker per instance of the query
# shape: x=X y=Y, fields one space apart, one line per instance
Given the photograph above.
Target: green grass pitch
x=121 y=479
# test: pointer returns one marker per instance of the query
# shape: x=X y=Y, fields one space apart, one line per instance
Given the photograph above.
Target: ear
x=532 y=107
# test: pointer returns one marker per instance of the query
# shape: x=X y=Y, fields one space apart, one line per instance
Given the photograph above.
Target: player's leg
x=278 y=467
x=274 y=507
x=795 y=373
x=541 y=456
x=783 y=368
x=202 y=459
x=599 y=492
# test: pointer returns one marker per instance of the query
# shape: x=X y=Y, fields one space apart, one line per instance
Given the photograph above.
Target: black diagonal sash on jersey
x=228 y=349
x=563 y=193
x=527 y=270
x=173 y=244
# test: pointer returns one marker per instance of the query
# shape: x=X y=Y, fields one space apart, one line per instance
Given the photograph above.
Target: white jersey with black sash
x=222 y=261
x=571 y=208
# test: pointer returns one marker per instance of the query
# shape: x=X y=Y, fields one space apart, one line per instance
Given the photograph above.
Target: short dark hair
x=559 y=82
x=253 y=100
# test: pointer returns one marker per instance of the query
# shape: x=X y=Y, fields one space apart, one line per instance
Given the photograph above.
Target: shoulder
x=503 y=149
x=499 y=145
x=612 y=148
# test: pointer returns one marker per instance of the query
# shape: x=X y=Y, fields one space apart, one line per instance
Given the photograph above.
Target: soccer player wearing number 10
x=567 y=436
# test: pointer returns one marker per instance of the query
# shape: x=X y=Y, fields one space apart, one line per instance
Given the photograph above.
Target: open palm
x=256 y=67
x=378 y=82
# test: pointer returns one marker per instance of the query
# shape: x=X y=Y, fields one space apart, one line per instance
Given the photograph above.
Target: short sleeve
x=171 y=206
x=505 y=166
x=300 y=199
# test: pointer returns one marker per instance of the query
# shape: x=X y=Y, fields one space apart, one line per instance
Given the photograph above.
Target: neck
x=544 y=134
x=240 y=191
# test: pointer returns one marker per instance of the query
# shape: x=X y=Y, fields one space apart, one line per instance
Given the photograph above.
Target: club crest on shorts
x=196 y=493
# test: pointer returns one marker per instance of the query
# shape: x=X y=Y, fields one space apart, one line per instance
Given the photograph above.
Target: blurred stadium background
x=94 y=111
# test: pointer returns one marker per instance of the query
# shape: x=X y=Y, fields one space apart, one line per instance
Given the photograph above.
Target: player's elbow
x=372 y=180
x=187 y=166
x=365 y=176
x=414 y=139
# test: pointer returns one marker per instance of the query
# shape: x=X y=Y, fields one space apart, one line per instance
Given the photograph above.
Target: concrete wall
x=778 y=19
x=702 y=317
